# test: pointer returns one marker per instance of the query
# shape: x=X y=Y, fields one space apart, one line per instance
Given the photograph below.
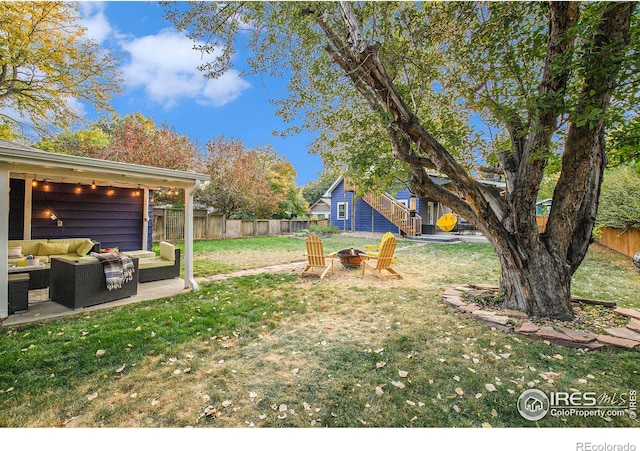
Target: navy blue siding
x=338 y=196
x=16 y=209
x=112 y=216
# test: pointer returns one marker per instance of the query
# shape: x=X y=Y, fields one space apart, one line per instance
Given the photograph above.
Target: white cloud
x=164 y=65
x=94 y=20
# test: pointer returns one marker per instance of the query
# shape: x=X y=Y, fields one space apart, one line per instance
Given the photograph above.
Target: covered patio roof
x=28 y=163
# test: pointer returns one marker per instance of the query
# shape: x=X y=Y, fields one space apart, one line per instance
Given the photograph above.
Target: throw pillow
x=53 y=248
x=15 y=252
x=84 y=248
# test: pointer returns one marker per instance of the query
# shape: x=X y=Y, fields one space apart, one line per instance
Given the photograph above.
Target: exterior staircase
x=396 y=212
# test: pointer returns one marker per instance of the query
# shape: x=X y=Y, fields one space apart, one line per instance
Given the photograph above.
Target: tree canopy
x=250 y=183
x=47 y=66
x=400 y=89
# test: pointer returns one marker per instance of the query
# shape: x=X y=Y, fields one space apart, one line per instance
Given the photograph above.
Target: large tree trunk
x=534 y=281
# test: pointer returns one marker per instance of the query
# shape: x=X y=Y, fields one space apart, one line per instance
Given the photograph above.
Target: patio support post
x=189 y=280
x=4 y=238
x=145 y=220
x=28 y=207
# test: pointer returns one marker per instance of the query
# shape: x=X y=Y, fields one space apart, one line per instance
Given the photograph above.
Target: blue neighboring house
x=401 y=213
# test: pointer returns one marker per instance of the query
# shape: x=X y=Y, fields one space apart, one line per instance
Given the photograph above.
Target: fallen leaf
x=459 y=391
x=486 y=425
x=398 y=384
x=252 y=396
x=403 y=373
x=100 y=352
x=92 y=396
x=9 y=389
x=490 y=387
x=379 y=391
x=582 y=381
x=411 y=403
x=471 y=369
x=295 y=370
x=306 y=406
x=186 y=370
x=478 y=395
x=456 y=378
x=133 y=395
x=121 y=369
x=456 y=408
x=227 y=403
x=380 y=364
x=282 y=408
x=176 y=371
x=155 y=402
x=494 y=412
x=558 y=356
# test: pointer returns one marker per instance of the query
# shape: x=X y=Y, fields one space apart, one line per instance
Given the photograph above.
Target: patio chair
x=374 y=249
x=317 y=259
x=382 y=261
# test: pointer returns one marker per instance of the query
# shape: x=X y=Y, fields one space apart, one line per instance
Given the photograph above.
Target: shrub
x=619 y=201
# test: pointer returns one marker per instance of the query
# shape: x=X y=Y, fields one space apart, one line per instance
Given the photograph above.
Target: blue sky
x=158 y=66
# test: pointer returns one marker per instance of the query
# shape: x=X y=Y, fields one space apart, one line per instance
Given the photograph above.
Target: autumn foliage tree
x=46 y=64
x=395 y=86
x=239 y=185
x=249 y=183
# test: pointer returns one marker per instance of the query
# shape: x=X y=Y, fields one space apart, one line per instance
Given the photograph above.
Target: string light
x=93 y=185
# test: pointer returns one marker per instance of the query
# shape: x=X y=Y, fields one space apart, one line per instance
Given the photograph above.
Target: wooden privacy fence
x=168 y=224
x=627 y=243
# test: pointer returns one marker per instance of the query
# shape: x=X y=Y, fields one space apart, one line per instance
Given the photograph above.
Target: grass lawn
x=277 y=350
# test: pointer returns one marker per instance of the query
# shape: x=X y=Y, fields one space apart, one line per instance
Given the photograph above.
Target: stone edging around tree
x=513 y=321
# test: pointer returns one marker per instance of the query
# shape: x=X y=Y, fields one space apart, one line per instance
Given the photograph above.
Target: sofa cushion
x=167 y=251
x=139 y=254
x=84 y=248
x=73 y=243
x=28 y=246
x=154 y=262
x=53 y=248
x=15 y=252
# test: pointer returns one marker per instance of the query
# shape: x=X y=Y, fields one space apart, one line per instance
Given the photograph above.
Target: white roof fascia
x=27 y=160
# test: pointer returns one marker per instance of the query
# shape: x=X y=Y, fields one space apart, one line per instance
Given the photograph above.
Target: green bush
x=619 y=200
x=323 y=230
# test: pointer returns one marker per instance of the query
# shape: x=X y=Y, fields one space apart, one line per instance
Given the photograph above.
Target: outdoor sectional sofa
x=45 y=249
x=78 y=284
x=157 y=267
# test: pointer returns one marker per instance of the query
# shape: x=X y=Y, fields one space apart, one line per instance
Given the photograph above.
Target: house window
x=342 y=210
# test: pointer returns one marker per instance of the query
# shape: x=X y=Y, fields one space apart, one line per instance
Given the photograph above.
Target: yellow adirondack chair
x=317 y=259
x=382 y=261
x=374 y=249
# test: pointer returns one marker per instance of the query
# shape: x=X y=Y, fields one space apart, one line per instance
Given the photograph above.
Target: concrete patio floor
x=41 y=308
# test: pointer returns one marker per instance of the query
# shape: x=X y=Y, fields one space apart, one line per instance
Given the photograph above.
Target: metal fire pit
x=350 y=258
